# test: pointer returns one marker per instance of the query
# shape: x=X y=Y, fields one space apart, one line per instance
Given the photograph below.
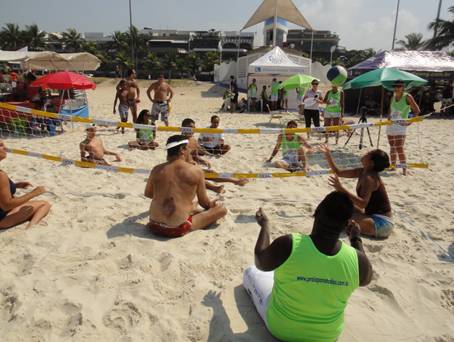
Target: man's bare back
x=175 y=186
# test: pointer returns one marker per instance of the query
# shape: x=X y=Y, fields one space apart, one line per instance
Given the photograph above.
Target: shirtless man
x=173 y=187
x=92 y=149
x=123 y=106
x=133 y=97
x=195 y=149
x=163 y=94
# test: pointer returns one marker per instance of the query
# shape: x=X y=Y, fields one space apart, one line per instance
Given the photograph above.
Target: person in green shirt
x=274 y=94
x=313 y=276
x=145 y=137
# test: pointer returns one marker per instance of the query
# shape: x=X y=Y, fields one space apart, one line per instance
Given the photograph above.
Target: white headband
x=176 y=143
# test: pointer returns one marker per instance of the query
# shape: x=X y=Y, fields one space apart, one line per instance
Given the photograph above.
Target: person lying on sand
x=195 y=148
x=173 y=187
x=293 y=153
x=313 y=276
x=372 y=205
x=17 y=210
x=92 y=149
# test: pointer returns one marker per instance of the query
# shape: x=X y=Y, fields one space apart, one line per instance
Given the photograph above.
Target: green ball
x=337 y=75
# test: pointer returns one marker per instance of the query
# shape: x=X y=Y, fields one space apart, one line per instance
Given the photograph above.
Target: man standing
x=173 y=186
x=163 y=94
x=123 y=106
x=133 y=92
x=234 y=90
x=253 y=95
x=213 y=143
x=274 y=94
x=312 y=100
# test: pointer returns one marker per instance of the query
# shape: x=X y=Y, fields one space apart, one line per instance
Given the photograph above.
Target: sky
x=360 y=23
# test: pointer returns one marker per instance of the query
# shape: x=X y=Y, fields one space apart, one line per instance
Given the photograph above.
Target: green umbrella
x=385 y=77
x=297 y=81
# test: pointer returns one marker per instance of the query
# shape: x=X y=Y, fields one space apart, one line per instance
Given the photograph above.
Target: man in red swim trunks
x=173 y=187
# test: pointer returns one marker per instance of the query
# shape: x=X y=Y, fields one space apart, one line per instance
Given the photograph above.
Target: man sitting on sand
x=196 y=150
x=294 y=155
x=173 y=186
x=313 y=276
x=163 y=94
x=133 y=92
x=92 y=149
x=213 y=143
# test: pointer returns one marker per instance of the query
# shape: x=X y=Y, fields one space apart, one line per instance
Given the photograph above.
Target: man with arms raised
x=173 y=186
x=163 y=94
x=133 y=92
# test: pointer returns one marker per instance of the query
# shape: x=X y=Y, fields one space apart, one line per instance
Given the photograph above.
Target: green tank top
x=400 y=109
x=145 y=134
x=311 y=291
x=334 y=102
x=253 y=90
x=275 y=88
x=289 y=146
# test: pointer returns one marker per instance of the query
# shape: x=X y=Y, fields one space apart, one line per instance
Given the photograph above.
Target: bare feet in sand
x=242 y=181
x=218 y=189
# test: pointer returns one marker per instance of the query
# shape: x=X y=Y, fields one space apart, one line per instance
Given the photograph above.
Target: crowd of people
x=300 y=284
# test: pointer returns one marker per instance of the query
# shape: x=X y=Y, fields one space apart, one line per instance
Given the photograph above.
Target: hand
x=23 y=185
x=207 y=164
x=115 y=111
x=261 y=218
x=118 y=157
x=353 y=229
x=39 y=190
x=335 y=183
x=324 y=149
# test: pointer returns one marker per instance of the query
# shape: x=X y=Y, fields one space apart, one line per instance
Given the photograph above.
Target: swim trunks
x=160 y=108
x=132 y=103
x=166 y=231
x=123 y=110
x=383 y=225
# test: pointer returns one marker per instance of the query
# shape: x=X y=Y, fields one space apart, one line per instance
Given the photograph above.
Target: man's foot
x=218 y=189
x=241 y=181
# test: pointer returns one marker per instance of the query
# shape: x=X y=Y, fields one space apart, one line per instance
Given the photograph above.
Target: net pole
x=381 y=114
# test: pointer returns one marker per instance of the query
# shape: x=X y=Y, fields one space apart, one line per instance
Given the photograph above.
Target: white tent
x=51 y=60
x=275 y=62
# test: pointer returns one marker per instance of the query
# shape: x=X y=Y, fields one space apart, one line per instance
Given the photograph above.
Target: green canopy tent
x=384 y=77
x=298 y=81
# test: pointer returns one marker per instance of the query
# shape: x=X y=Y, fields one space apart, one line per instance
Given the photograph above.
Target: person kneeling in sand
x=293 y=153
x=313 y=276
x=173 y=186
x=92 y=149
x=17 y=210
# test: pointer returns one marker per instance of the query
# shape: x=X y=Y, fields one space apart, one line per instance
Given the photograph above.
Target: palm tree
x=413 y=41
x=72 y=40
x=34 y=38
x=445 y=33
x=11 y=37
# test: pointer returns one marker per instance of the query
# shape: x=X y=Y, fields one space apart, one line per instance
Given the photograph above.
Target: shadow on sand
x=220 y=329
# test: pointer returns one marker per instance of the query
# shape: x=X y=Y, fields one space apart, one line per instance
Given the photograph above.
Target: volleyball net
x=56 y=138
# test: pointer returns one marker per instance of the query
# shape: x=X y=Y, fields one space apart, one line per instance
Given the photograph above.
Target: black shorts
x=312 y=115
x=213 y=150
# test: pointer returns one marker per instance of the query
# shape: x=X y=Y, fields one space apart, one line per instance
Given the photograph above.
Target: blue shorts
x=383 y=225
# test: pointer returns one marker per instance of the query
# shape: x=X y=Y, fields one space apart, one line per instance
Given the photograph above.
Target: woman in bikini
x=372 y=205
x=17 y=210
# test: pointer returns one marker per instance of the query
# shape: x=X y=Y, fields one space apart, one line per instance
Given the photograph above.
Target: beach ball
x=337 y=75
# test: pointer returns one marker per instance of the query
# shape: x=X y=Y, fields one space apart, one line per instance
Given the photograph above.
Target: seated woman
x=145 y=136
x=372 y=205
x=313 y=276
x=294 y=156
x=17 y=210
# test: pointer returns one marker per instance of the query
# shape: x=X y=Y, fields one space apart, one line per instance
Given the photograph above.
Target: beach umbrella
x=297 y=81
x=64 y=80
x=385 y=77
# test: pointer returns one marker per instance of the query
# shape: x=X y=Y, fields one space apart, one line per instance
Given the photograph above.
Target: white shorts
x=330 y=115
x=259 y=286
x=274 y=98
x=396 y=129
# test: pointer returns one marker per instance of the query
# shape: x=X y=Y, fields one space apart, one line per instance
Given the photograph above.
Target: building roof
x=284 y=9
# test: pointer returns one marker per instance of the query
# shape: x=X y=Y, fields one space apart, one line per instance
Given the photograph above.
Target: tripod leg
x=361 y=139
x=370 y=138
x=349 y=137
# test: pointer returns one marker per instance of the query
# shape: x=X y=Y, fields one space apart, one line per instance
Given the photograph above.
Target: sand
x=92 y=272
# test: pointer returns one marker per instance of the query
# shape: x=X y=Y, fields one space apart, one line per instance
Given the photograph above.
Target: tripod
x=362 y=119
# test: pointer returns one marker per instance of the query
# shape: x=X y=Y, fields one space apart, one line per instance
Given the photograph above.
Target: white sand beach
x=92 y=272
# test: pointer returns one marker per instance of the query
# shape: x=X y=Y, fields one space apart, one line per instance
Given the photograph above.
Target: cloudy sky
x=360 y=23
